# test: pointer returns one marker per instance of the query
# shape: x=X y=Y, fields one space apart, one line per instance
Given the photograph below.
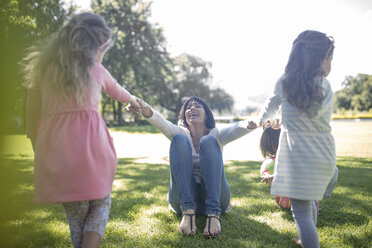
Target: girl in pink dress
x=75 y=159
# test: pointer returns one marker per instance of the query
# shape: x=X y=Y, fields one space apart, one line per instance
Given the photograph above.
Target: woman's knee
x=180 y=140
x=208 y=139
x=209 y=142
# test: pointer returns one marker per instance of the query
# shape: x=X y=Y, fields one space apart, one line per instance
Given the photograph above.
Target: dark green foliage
x=138 y=60
x=356 y=94
x=192 y=79
x=22 y=23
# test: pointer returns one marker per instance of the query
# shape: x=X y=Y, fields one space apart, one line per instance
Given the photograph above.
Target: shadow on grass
x=140 y=217
x=239 y=229
x=23 y=223
x=244 y=179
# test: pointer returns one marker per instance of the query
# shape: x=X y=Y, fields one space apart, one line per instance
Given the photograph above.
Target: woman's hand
x=253 y=124
x=145 y=108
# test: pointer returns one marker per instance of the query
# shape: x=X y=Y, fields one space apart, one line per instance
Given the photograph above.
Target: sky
x=248 y=41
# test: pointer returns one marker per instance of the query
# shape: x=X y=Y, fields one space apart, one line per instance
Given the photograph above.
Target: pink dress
x=75 y=159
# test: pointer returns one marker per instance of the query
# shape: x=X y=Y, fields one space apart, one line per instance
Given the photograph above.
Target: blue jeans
x=212 y=195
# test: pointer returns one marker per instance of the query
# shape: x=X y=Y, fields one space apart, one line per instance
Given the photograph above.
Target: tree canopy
x=140 y=62
x=193 y=77
x=355 y=95
x=21 y=24
x=139 y=59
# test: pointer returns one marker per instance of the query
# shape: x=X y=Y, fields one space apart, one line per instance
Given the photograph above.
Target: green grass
x=146 y=128
x=140 y=217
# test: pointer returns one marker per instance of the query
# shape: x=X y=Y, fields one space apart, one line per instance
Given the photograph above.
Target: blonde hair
x=69 y=55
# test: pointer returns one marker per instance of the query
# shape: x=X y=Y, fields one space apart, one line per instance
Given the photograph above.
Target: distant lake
x=352 y=120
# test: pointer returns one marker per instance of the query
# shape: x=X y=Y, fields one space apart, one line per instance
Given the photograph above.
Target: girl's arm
x=156 y=119
x=272 y=103
x=113 y=89
x=266 y=170
x=267 y=166
x=33 y=113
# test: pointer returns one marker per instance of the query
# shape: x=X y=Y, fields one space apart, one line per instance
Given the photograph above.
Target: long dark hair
x=300 y=84
x=269 y=142
x=210 y=123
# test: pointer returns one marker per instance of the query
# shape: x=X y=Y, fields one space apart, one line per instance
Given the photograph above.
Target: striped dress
x=306 y=157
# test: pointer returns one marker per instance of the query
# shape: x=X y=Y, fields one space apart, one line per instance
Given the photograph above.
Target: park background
x=228 y=52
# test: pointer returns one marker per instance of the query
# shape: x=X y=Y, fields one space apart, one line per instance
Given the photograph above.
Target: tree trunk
x=103 y=111
x=120 y=115
x=114 y=110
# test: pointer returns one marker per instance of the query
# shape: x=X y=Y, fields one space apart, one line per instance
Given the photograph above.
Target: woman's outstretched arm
x=157 y=120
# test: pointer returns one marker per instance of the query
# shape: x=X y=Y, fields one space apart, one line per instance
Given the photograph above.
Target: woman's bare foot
x=188 y=222
x=212 y=226
x=297 y=241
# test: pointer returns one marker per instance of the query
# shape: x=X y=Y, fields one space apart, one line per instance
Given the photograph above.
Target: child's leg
x=87 y=217
x=314 y=212
x=95 y=223
x=332 y=184
x=91 y=239
x=303 y=216
x=76 y=213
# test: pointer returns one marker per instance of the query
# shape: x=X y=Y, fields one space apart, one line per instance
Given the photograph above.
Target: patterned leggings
x=87 y=216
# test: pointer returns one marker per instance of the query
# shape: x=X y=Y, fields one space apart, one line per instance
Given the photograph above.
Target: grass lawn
x=140 y=217
x=136 y=129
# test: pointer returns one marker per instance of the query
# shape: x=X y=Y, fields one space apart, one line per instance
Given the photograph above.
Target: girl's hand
x=274 y=124
x=133 y=106
x=267 y=178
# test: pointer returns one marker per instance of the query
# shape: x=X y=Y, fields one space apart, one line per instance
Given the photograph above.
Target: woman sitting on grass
x=198 y=184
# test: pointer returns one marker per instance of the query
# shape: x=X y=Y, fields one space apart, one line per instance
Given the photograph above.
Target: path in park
x=352 y=139
x=154 y=148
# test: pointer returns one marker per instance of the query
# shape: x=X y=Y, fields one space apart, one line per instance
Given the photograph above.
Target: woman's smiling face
x=195 y=113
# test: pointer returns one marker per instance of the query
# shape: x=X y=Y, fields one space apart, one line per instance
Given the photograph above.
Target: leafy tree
x=21 y=24
x=342 y=100
x=193 y=78
x=139 y=59
x=140 y=62
x=356 y=94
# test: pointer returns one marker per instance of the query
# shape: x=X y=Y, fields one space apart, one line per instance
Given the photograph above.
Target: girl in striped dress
x=306 y=160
